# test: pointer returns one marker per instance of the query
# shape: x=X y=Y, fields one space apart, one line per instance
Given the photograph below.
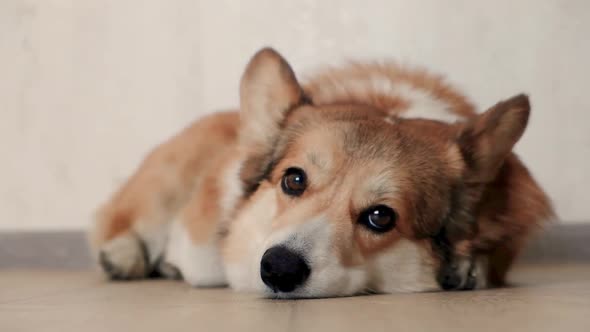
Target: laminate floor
x=543 y=298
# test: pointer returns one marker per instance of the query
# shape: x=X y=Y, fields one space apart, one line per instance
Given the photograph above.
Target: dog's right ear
x=487 y=140
x=268 y=91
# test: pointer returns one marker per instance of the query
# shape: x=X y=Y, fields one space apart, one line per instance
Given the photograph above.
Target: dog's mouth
x=289 y=274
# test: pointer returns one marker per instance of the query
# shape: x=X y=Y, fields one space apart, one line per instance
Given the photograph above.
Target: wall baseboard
x=69 y=250
x=560 y=243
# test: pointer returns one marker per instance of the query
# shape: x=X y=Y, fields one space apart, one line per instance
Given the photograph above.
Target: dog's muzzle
x=283 y=270
x=458 y=275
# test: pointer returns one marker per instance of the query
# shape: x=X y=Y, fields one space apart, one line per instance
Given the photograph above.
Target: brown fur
x=167 y=178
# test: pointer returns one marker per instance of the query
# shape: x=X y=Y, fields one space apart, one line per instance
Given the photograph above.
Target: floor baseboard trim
x=55 y=249
x=69 y=249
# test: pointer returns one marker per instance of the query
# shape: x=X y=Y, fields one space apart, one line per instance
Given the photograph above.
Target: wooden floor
x=545 y=298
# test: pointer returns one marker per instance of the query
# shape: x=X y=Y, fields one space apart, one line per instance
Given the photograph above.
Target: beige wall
x=87 y=87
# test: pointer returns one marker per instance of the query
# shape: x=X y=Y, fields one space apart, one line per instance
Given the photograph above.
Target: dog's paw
x=124 y=258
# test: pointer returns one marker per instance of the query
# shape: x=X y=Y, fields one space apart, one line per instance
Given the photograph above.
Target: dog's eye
x=378 y=218
x=294 y=181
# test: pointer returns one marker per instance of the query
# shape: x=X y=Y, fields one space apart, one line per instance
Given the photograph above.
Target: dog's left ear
x=268 y=91
x=486 y=141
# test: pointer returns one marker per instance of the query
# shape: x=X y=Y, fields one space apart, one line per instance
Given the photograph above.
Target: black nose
x=283 y=270
x=448 y=278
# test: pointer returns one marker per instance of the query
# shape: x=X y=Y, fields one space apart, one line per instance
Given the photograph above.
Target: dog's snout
x=283 y=270
x=457 y=276
x=449 y=279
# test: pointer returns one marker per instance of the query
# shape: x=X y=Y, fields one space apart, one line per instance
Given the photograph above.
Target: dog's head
x=341 y=199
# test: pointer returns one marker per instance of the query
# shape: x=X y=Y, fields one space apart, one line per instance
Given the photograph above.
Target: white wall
x=87 y=87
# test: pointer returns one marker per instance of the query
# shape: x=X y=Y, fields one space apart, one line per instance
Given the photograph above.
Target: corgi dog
x=367 y=178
